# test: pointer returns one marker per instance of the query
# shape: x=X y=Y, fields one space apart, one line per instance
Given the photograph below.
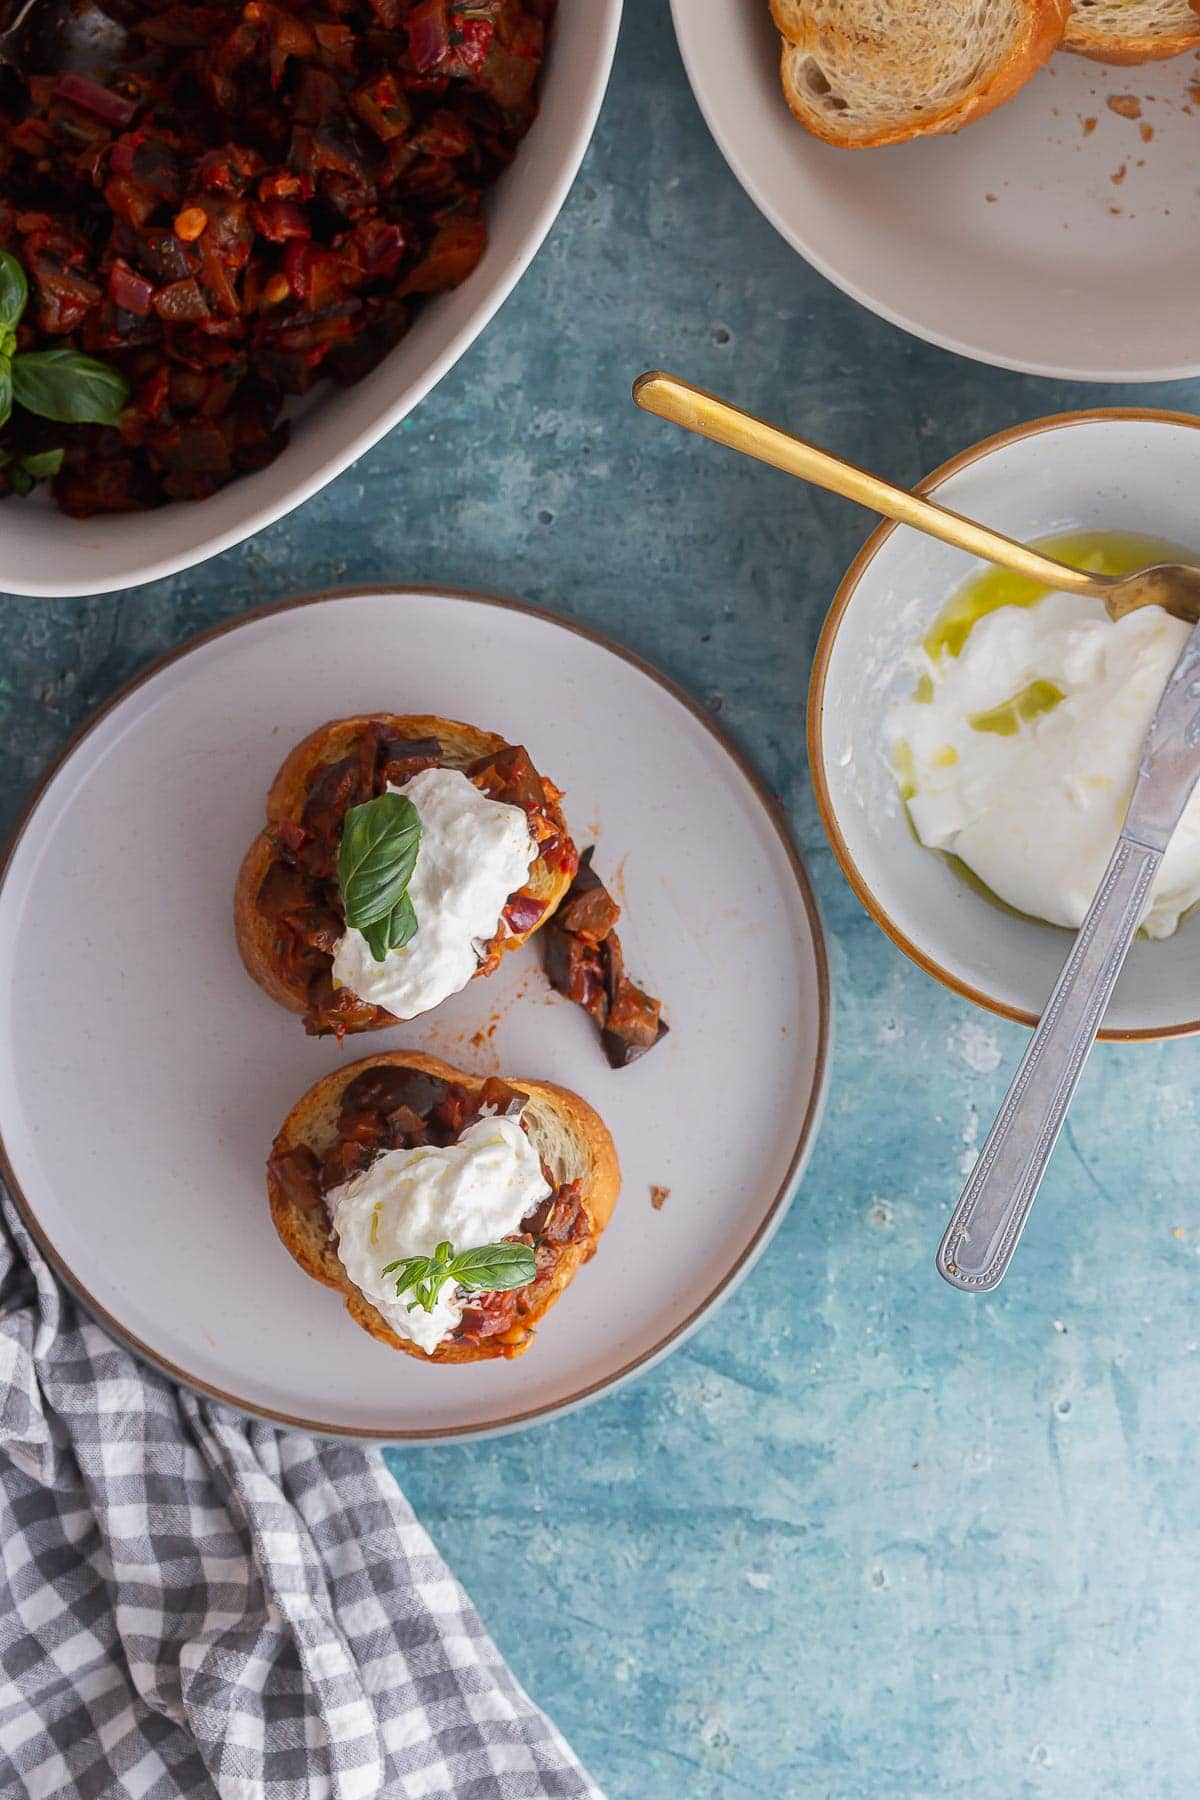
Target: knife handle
x=994 y=1205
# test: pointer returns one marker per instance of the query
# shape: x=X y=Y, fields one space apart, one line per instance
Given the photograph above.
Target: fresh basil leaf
x=67 y=386
x=437 y=1270
x=424 y=1275
x=494 y=1268
x=6 y=390
x=377 y=855
x=427 y=1293
x=392 y=932
x=412 y=1272
x=38 y=466
x=376 y=859
x=491 y=1269
x=43 y=464
x=14 y=290
x=412 y=1268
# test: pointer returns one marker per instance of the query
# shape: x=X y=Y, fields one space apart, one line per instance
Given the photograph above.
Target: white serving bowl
x=1129 y=469
x=43 y=552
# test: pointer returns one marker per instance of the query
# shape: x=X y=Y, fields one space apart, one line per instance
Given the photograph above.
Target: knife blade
x=1170 y=760
x=992 y=1210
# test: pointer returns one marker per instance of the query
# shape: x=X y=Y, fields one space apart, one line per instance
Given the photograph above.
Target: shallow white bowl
x=42 y=552
x=1024 y=240
x=1120 y=469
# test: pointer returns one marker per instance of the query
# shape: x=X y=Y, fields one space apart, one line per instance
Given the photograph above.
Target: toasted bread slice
x=462 y=744
x=1131 y=31
x=861 y=73
x=569 y=1135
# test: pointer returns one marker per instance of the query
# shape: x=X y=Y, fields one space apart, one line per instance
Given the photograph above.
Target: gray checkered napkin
x=194 y=1604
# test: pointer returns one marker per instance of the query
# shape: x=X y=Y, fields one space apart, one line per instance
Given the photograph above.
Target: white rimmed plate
x=1030 y=239
x=144 y=1074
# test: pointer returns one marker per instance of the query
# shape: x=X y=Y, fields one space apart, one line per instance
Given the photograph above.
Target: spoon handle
x=994 y=1205
x=694 y=409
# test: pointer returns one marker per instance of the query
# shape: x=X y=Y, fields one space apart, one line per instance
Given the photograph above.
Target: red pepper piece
x=428 y=35
x=130 y=290
x=523 y=912
x=279 y=220
x=471 y=40
x=101 y=102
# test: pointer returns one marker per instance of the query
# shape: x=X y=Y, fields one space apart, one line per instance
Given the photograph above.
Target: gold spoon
x=1173 y=586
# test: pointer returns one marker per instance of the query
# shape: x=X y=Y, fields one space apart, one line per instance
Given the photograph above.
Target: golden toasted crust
x=803 y=41
x=462 y=744
x=1085 y=37
x=1133 y=50
x=313 y=1121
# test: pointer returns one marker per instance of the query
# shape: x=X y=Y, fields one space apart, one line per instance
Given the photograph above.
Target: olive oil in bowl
x=1102 y=552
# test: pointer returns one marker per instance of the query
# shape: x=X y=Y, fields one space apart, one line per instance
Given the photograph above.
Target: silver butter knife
x=994 y=1205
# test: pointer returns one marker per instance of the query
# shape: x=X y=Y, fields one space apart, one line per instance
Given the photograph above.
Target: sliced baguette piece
x=328 y=744
x=1131 y=31
x=862 y=73
x=570 y=1136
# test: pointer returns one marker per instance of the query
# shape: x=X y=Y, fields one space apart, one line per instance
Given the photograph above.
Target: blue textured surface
x=862 y=1536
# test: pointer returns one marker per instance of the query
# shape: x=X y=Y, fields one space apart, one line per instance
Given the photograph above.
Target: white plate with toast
x=145 y=1075
x=1059 y=235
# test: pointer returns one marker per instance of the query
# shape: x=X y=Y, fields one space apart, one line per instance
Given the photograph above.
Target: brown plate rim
x=816 y=703
x=812 y=1112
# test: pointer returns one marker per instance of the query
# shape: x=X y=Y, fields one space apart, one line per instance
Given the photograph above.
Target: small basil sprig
x=493 y=1268
x=37 y=466
x=376 y=858
x=60 y=384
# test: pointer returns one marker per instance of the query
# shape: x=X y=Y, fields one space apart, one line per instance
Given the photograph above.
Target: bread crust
x=1124 y=52
x=461 y=743
x=1045 y=25
x=313 y=1121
